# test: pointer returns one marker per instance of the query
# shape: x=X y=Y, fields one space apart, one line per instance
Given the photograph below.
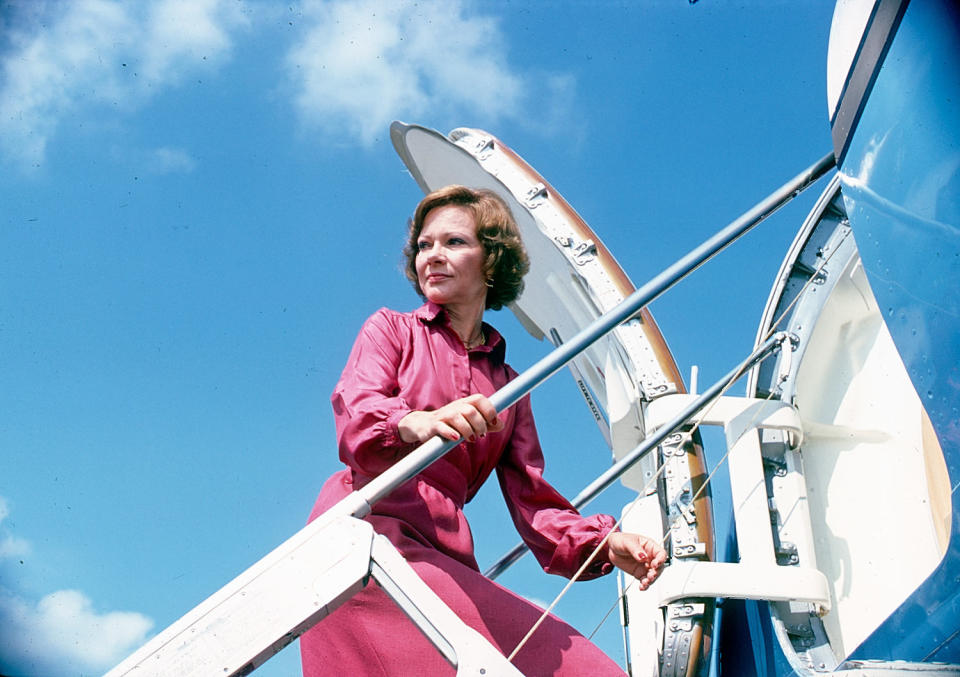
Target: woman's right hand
x=640 y=556
x=469 y=418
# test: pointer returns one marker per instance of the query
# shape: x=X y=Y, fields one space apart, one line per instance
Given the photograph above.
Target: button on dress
x=402 y=362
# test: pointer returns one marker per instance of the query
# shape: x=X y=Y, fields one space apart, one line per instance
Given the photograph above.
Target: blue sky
x=201 y=205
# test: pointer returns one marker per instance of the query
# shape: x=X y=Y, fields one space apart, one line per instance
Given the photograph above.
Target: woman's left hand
x=639 y=556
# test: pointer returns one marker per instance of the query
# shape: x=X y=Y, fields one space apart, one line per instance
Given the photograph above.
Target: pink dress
x=414 y=361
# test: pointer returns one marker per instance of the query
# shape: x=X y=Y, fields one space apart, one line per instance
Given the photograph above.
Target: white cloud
x=364 y=63
x=182 y=33
x=170 y=160
x=90 y=55
x=359 y=65
x=62 y=633
x=10 y=545
x=543 y=604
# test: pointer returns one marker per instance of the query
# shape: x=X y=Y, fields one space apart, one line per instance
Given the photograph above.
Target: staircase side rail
x=293 y=588
x=758 y=574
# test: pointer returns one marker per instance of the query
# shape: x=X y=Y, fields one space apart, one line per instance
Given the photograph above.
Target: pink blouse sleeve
x=366 y=402
x=560 y=538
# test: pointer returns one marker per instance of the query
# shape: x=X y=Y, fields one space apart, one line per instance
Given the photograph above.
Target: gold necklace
x=470 y=345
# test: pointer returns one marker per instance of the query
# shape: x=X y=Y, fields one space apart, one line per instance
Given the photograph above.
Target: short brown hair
x=506 y=261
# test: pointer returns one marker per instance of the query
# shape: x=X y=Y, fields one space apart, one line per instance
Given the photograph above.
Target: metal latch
x=778 y=468
x=687 y=610
x=484 y=147
x=584 y=252
x=581 y=252
x=536 y=196
x=787 y=553
x=690 y=550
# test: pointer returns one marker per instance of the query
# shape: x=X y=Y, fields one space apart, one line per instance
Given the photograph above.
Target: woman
x=411 y=376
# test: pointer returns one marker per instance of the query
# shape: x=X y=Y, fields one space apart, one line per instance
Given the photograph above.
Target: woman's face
x=450 y=257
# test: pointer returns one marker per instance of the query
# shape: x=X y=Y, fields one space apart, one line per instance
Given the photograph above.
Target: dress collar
x=432 y=313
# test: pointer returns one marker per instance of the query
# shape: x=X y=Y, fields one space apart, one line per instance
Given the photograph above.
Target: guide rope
x=687 y=438
x=655 y=477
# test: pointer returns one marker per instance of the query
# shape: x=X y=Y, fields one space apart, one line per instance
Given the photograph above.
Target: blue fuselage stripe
x=881 y=27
